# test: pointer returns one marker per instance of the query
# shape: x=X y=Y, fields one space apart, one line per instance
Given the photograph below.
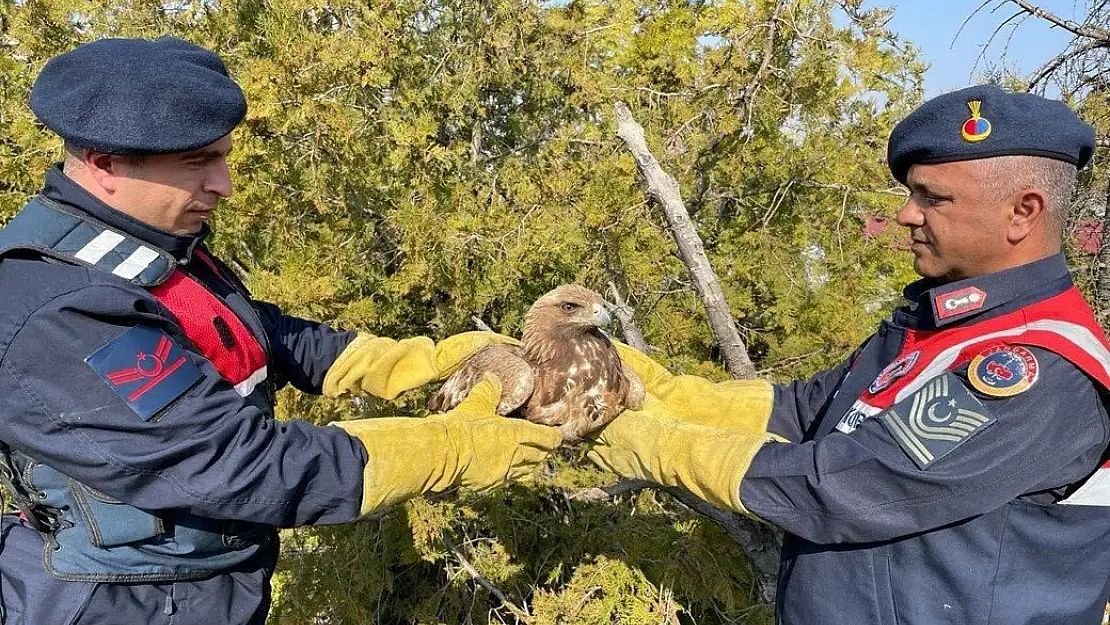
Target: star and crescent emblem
x=936 y=419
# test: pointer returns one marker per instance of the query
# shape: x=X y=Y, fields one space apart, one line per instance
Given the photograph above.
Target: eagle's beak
x=602 y=316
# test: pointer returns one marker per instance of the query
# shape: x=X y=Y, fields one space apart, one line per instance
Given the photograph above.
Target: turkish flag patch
x=146 y=368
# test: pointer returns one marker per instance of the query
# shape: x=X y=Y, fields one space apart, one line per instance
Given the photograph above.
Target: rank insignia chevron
x=935 y=420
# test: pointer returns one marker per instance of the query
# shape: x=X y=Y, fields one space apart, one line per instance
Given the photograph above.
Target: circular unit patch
x=975 y=130
x=893 y=371
x=1003 y=371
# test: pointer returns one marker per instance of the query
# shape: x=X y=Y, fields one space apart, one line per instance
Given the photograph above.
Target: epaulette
x=53 y=230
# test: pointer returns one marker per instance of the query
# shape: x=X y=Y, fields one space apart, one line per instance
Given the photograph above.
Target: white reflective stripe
x=100 y=245
x=134 y=264
x=1082 y=337
x=1076 y=334
x=246 y=387
x=856 y=414
x=1094 y=492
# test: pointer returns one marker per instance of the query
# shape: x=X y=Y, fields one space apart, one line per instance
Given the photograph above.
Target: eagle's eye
x=569 y=307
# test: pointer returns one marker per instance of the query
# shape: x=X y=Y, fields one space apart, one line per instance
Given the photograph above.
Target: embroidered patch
x=893 y=371
x=936 y=419
x=959 y=302
x=1003 y=371
x=146 y=368
x=976 y=128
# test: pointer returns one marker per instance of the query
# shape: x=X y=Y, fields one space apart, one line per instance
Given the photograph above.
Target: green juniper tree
x=406 y=166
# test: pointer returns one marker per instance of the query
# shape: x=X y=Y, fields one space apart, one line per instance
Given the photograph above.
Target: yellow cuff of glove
x=470 y=446
x=740 y=405
x=653 y=444
x=385 y=368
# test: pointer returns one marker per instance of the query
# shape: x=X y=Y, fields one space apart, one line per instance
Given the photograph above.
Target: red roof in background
x=874 y=226
x=1088 y=236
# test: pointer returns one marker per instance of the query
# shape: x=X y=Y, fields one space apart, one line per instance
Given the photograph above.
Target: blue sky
x=932 y=25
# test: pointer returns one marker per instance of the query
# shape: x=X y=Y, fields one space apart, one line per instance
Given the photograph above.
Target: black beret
x=985 y=121
x=137 y=96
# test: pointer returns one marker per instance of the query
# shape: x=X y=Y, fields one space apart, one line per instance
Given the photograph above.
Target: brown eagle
x=566 y=374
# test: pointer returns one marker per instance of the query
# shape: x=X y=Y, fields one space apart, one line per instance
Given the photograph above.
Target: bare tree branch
x=1082 y=30
x=745 y=99
x=1102 y=285
x=1055 y=63
x=744 y=104
x=482 y=581
x=759 y=542
x=632 y=333
x=664 y=188
x=481 y=325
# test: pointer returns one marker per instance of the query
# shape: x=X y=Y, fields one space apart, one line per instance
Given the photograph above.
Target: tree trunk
x=1102 y=287
x=759 y=542
x=663 y=187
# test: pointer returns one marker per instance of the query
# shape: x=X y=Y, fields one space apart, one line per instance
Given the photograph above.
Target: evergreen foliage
x=406 y=165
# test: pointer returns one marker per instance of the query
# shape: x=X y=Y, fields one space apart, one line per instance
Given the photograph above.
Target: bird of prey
x=566 y=374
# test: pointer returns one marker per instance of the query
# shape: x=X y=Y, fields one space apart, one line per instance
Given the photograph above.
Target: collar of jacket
x=931 y=304
x=60 y=188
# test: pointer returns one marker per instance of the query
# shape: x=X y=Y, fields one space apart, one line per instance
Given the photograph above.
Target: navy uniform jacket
x=981 y=536
x=210 y=452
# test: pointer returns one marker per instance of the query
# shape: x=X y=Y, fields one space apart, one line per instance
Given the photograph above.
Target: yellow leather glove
x=470 y=446
x=656 y=445
x=740 y=405
x=385 y=368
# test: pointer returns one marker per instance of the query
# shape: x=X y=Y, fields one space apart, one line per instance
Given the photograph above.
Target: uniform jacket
x=212 y=452
x=998 y=515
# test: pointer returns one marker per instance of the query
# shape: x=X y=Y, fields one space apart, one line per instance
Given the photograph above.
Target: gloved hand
x=656 y=445
x=470 y=446
x=740 y=405
x=386 y=368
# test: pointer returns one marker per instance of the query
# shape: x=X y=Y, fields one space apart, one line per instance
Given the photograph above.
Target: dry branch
x=481 y=325
x=759 y=542
x=1102 y=285
x=663 y=187
x=481 y=580
x=1082 y=30
x=632 y=333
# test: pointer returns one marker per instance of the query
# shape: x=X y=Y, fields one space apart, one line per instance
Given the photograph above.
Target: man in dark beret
x=953 y=469
x=137 y=373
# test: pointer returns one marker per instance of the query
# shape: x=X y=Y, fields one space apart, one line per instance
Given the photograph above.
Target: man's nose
x=910 y=214
x=219 y=179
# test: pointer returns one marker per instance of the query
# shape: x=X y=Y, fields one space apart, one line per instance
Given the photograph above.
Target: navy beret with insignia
x=138 y=96
x=985 y=121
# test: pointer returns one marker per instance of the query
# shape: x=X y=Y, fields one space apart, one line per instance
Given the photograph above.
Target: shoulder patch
x=146 y=368
x=935 y=420
x=893 y=371
x=1003 y=371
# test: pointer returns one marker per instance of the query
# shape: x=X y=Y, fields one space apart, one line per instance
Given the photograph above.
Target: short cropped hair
x=1056 y=178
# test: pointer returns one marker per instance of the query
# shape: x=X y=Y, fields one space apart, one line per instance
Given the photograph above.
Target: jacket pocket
x=884 y=591
x=110 y=522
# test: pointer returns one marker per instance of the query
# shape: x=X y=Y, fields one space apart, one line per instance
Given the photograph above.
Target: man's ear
x=1030 y=210
x=105 y=169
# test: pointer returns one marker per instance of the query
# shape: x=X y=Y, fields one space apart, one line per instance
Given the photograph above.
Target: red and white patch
x=959 y=302
x=893 y=371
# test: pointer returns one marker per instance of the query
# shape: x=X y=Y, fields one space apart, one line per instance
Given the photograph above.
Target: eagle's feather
x=567 y=373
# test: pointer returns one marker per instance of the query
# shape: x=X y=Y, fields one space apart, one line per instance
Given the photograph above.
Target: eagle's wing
x=634 y=398
x=505 y=362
